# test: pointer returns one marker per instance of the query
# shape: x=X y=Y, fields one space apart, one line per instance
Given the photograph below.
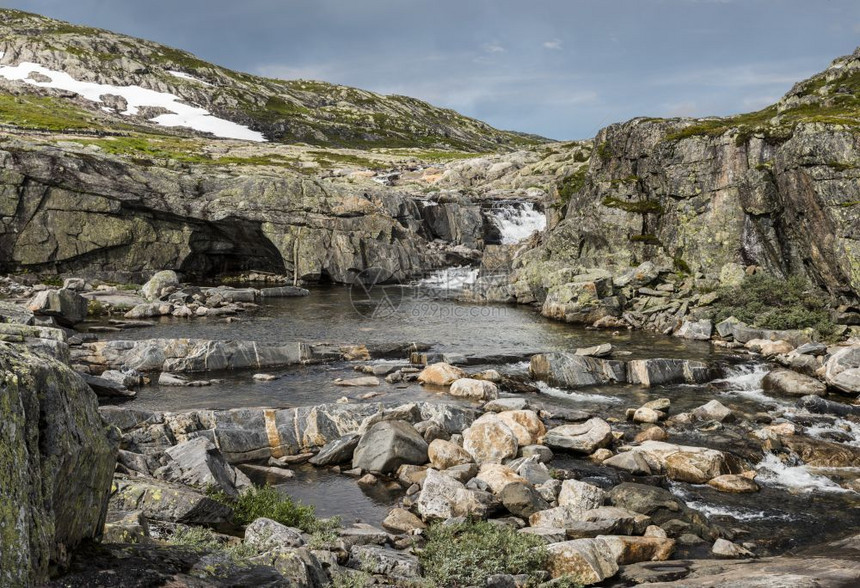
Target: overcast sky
x=559 y=68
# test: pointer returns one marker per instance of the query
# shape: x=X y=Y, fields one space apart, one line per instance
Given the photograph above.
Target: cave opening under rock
x=231 y=246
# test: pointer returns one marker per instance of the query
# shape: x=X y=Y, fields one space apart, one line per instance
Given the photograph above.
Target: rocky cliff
x=776 y=189
x=57 y=459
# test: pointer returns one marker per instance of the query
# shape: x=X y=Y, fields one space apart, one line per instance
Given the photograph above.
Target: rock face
x=57 y=464
x=389 y=445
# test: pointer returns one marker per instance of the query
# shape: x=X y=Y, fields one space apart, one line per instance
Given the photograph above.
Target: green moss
x=604 y=151
x=636 y=206
x=570 y=185
x=44 y=113
x=468 y=553
x=841 y=165
x=267 y=502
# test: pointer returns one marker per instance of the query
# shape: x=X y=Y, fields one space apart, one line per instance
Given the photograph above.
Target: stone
x=769 y=348
x=548 y=534
x=661 y=404
x=490 y=441
x=297 y=566
x=197 y=462
x=474 y=389
x=654 y=372
x=364 y=534
x=56 y=464
x=684 y=463
x=105 y=388
x=587 y=560
x=651 y=434
x=489 y=376
x=15 y=313
x=728 y=550
x=283 y=292
x=791 y=383
x=337 y=452
x=522 y=500
x=388 y=445
x=497 y=477
x=629 y=461
x=400 y=520
x=444 y=454
x=813 y=348
x=503 y=404
x=266 y=535
x=66 y=306
x=534 y=471
x=576 y=371
x=525 y=424
x=580 y=438
x=440 y=374
x=388 y=562
x=462 y=473
x=358 y=382
x=541 y=452
x=443 y=497
x=580 y=496
x=158 y=283
x=129 y=527
x=162 y=501
x=713 y=411
x=629 y=550
x=643 y=414
x=602 y=350
x=733 y=483
x=149 y=310
x=842 y=370
x=697 y=330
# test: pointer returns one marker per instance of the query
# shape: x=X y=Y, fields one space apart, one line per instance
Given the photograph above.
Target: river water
x=797 y=505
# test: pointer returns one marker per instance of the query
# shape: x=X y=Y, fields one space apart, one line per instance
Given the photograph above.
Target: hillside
x=58 y=76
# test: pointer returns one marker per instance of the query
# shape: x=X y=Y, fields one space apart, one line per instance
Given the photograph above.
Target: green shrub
x=571 y=185
x=267 y=502
x=196 y=537
x=468 y=553
x=773 y=303
x=351 y=580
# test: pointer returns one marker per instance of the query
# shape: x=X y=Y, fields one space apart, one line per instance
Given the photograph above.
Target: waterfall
x=449 y=281
x=518 y=220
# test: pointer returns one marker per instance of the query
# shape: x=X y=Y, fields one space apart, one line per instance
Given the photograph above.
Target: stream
x=796 y=506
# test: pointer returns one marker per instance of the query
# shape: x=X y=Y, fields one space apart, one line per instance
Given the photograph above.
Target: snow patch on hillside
x=183 y=115
x=185 y=76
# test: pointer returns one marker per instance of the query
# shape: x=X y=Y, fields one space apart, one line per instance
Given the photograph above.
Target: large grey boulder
x=584 y=437
x=338 y=451
x=56 y=464
x=158 y=284
x=791 y=383
x=199 y=463
x=67 y=307
x=265 y=535
x=15 y=313
x=575 y=371
x=163 y=501
x=442 y=497
x=842 y=370
x=653 y=372
x=387 y=562
x=389 y=445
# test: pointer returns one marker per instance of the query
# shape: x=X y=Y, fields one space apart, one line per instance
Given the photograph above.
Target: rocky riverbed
x=632 y=457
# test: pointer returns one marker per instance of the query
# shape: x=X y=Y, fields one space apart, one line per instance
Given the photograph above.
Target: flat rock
x=580 y=438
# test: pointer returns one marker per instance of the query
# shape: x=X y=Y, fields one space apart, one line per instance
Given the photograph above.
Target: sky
x=558 y=68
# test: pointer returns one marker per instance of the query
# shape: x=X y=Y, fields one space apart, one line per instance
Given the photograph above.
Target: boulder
x=402 y=521
x=602 y=350
x=337 y=452
x=728 y=550
x=15 y=313
x=159 y=283
x=628 y=550
x=580 y=438
x=56 y=464
x=358 y=382
x=283 y=292
x=162 y=501
x=497 y=476
x=503 y=404
x=698 y=330
x=791 y=383
x=490 y=440
x=440 y=374
x=522 y=500
x=525 y=424
x=713 y=411
x=654 y=372
x=266 y=535
x=631 y=462
x=587 y=560
x=576 y=371
x=580 y=495
x=842 y=370
x=443 y=497
x=541 y=452
x=734 y=483
x=474 y=389
x=197 y=462
x=643 y=414
x=388 y=445
x=298 y=566
x=66 y=306
x=149 y=310
x=105 y=388
x=683 y=463
x=444 y=454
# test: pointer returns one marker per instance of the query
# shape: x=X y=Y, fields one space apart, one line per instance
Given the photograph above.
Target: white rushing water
x=518 y=221
x=136 y=97
x=449 y=280
x=577 y=396
x=773 y=472
x=715 y=510
x=746 y=381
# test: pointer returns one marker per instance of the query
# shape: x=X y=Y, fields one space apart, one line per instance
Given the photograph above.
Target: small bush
x=351 y=580
x=772 y=303
x=266 y=502
x=468 y=553
x=196 y=537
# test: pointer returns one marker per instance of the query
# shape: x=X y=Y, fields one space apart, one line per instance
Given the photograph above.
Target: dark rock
x=522 y=500
x=388 y=445
x=337 y=452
